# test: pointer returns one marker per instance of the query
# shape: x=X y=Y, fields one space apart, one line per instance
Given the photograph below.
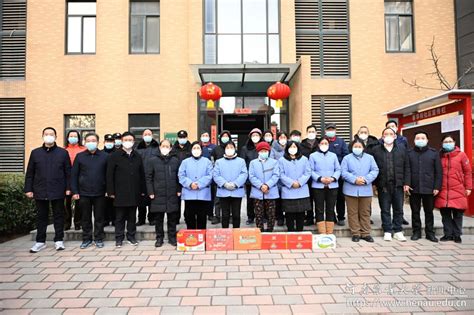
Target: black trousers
x=250 y=204
x=278 y=210
x=341 y=202
x=295 y=221
x=195 y=214
x=142 y=210
x=210 y=206
x=172 y=221
x=309 y=216
x=228 y=205
x=71 y=213
x=109 y=216
x=91 y=205
x=42 y=216
x=325 y=200
x=428 y=205
x=128 y=214
x=452 y=221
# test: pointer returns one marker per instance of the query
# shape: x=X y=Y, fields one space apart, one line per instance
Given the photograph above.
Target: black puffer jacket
x=182 y=152
x=371 y=143
x=219 y=150
x=162 y=181
x=307 y=148
x=400 y=164
x=426 y=173
x=248 y=152
x=146 y=151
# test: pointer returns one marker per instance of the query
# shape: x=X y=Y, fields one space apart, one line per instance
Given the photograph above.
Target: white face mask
x=282 y=141
x=388 y=139
x=127 y=144
x=165 y=151
x=323 y=148
x=296 y=139
x=205 y=139
x=311 y=136
x=196 y=152
x=363 y=136
x=229 y=152
x=49 y=139
x=293 y=151
x=255 y=139
x=268 y=139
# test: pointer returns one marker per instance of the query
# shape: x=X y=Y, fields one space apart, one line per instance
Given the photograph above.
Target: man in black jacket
x=393 y=166
x=308 y=146
x=88 y=188
x=126 y=185
x=109 y=216
x=182 y=147
x=47 y=180
x=423 y=183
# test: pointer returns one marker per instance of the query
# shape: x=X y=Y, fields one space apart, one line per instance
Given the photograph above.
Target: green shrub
x=17 y=213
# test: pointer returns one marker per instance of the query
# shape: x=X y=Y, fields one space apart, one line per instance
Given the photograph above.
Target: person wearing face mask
x=264 y=174
x=295 y=172
x=392 y=161
x=359 y=171
x=218 y=153
x=456 y=188
x=338 y=146
x=88 y=189
x=268 y=137
x=295 y=136
x=109 y=216
x=207 y=146
x=278 y=150
x=164 y=191
x=195 y=176
x=72 y=212
x=146 y=148
x=369 y=141
x=126 y=185
x=230 y=174
x=109 y=143
x=326 y=171
x=47 y=181
x=308 y=146
x=182 y=147
x=117 y=140
x=423 y=183
x=249 y=153
x=399 y=139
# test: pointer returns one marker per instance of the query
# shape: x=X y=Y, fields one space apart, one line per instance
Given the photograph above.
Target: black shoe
x=250 y=221
x=159 y=243
x=280 y=222
x=77 y=227
x=215 y=220
x=446 y=238
x=172 y=242
x=405 y=222
x=308 y=223
x=355 y=238
x=85 y=244
x=140 y=223
x=269 y=230
x=209 y=218
x=132 y=241
x=457 y=239
x=371 y=221
x=415 y=237
x=432 y=238
x=118 y=244
x=368 y=238
x=341 y=222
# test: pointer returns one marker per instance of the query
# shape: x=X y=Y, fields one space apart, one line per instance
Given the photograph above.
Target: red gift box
x=191 y=240
x=274 y=241
x=299 y=240
x=219 y=239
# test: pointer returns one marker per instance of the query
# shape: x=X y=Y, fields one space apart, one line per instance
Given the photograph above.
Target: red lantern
x=279 y=91
x=211 y=93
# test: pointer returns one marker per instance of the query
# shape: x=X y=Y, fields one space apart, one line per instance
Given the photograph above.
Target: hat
x=117 y=135
x=182 y=134
x=330 y=125
x=255 y=130
x=108 y=137
x=262 y=146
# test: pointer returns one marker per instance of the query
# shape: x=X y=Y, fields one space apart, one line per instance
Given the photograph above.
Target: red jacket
x=73 y=150
x=457 y=178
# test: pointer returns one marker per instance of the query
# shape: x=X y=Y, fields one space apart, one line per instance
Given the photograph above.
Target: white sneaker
x=59 y=245
x=37 y=247
x=399 y=237
x=387 y=236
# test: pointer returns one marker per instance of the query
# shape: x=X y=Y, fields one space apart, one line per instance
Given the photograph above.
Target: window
x=12 y=134
x=12 y=39
x=332 y=109
x=81 y=17
x=84 y=124
x=144 y=27
x=398 y=26
x=322 y=32
x=241 y=31
x=137 y=123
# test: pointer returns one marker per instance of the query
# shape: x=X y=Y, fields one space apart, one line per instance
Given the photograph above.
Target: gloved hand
x=230 y=186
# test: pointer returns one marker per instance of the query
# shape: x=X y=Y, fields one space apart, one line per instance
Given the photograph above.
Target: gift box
x=274 y=241
x=247 y=239
x=191 y=240
x=299 y=240
x=219 y=239
x=323 y=241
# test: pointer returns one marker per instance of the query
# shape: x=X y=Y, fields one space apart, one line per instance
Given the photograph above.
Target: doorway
x=240 y=125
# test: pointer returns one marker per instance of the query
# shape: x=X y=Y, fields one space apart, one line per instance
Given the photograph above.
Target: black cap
x=108 y=137
x=117 y=135
x=182 y=134
x=330 y=125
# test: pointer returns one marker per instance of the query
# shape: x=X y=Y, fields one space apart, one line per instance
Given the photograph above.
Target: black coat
x=371 y=143
x=425 y=173
x=48 y=173
x=147 y=151
x=125 y=178
x=400 y=163
x=88 y=174
x=182 y=152
x=162 y=181
x=248 y=152
x=307 y=148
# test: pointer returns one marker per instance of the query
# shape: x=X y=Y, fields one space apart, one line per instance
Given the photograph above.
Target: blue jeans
x=391 y=198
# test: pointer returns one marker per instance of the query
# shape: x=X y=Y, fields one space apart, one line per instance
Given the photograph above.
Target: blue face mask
x=147 y=139
x=448 y=146
x=357 y=151
x=330 y=133
x=109 y=145
x=118 y=142
x=182 y=141
x=91 y=146
x=72 y=140
x=263 y=155
x=421 y=143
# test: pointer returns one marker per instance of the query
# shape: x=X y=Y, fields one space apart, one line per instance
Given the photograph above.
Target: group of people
x=283 y=177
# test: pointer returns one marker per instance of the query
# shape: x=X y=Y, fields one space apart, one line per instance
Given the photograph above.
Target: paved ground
x=355 y=277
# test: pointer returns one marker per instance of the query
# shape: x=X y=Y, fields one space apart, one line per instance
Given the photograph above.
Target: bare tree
x=444 y=84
